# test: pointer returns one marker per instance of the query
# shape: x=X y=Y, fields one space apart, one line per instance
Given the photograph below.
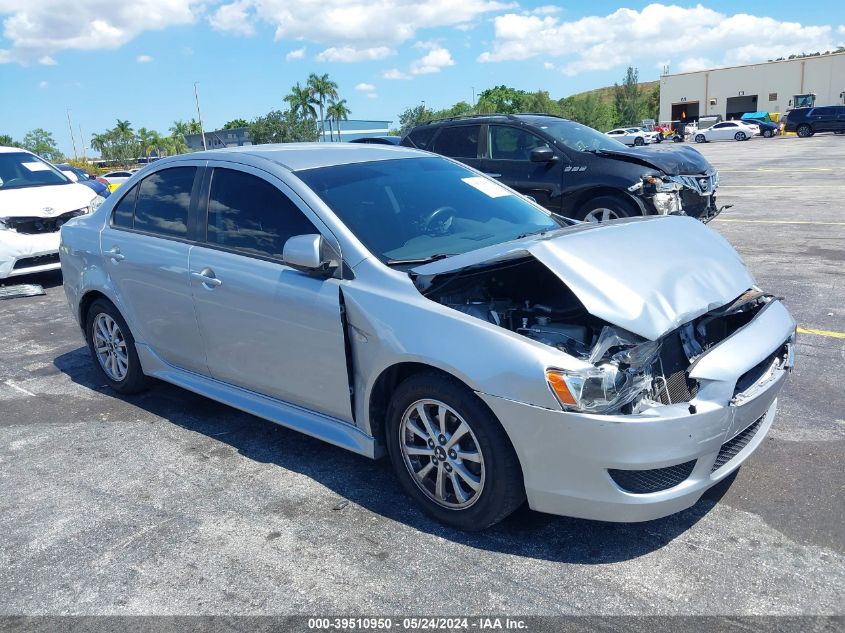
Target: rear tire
x=639 y=141
x=112 y=347
x=604 y=208
x=740 y=136
x=768 y=134
x=804 y=131
x=479 y=489
x=700 y=138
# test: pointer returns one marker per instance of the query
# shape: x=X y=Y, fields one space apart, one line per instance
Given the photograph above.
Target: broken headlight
x=666 y=203
x=601 y=389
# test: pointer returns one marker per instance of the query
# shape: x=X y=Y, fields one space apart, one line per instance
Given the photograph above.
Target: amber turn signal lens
x=561 y=389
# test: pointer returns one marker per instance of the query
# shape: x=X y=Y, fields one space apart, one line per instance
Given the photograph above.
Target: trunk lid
x=646 y=275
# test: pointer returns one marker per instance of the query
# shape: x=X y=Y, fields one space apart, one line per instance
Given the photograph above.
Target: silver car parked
x=387 y=300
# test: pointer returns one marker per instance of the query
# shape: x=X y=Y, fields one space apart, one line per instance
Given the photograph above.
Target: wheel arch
x=636 y=205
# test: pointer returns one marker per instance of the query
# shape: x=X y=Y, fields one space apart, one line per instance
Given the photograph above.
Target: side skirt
x=317 y=425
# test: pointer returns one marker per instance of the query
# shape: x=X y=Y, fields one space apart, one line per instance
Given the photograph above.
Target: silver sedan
x=387 y=300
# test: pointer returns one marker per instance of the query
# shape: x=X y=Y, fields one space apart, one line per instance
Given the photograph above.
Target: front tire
x=450 y=453
x=112 y=347
x=804 y=131
x=639 y=141
x=604 y=208
x=768 y=134
x=700 y=138
x=740 y=136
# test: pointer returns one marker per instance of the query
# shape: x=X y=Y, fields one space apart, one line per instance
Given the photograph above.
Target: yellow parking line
x=804 y=330
x=779 y=221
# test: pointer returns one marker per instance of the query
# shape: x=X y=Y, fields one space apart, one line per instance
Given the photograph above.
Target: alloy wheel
x=700 y=138
x=602 y=214
x=110 y=347
x=442 y=454
x=804 y=131
x=740 y=136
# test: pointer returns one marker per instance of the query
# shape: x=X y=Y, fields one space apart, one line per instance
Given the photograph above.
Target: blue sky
x=138 y=61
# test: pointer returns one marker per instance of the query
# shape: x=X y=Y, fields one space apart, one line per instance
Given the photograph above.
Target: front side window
x=249 y=214
x=413 y=209
x=576 y=136
x=124 y=212
x=460 y=141
x=510 y=143
x=163 y=201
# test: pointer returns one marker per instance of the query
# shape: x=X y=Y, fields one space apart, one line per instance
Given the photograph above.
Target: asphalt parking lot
x=168 y=503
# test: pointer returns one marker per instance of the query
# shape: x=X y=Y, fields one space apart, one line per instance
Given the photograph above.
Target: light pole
x=199 y=114
x=72 y=139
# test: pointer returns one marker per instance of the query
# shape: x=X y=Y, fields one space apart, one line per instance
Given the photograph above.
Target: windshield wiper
x=539 y=232
x=420 y=260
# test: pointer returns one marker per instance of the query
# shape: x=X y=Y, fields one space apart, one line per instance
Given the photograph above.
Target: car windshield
x=576 y=136
x=418 y=209
x=19 y=170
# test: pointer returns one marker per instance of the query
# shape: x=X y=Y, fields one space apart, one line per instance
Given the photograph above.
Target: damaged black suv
x=572 y=169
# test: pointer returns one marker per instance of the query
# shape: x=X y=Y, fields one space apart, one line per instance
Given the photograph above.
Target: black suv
x=807 y=121
x=572 y=169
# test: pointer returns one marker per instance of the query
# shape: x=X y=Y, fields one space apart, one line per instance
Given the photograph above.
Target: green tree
x=194 y=127
x=7 y=141
x=282 y=127
x=144 y=141
x=235 y=123
x=301 y=101
x=322 y=88
x=337 y=112
x=179 y=128
x=501 y=100
x=627 y=97
x=412 y=117
x=40 y=141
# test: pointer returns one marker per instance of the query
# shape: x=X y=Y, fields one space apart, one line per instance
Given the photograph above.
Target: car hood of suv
x=646 y=275
x=45 y=201
x=672 y=160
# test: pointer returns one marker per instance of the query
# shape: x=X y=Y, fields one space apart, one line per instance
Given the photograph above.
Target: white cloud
x=658 y=32
x=359 y=24
x=298 y=53
x=372 y=95
x=364 y=87
x=37 y=29
x=395 y=73
x=433 y=61
x=547 y=9
x=46 y=60
x=691 y=64
x=352 y=54
x=234 y=17
x=43 y=84
x=144 y=59
x=548 y=66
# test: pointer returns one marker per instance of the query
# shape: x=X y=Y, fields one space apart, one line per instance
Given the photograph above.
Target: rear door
x=145 y=248
x=508 y=160
x=461 y=142
x=266 y=327
x=823 y=119
x=840 y=119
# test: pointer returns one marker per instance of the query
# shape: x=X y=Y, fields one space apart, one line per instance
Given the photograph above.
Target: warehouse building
x=765 y=87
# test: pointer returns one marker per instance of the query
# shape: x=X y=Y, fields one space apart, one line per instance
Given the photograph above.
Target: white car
x=36 y=199
x=726 y=131
x=118 y=177
x=630 y=136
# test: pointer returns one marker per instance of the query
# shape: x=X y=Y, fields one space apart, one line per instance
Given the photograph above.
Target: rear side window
x=824 y=111
x=163 y=201
x=421 y=138
x=460 y=141
x=125 y=210
x=251 y=215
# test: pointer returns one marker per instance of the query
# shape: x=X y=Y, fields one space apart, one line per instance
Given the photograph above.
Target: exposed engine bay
x=630 y=372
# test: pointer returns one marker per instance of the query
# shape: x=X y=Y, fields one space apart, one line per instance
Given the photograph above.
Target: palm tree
x=144 y=141
x=322 y=88
x=124 y=129
x=194 y=127
x=99 y=141
x=302 y=101
x=338 y=112
x=179 y=129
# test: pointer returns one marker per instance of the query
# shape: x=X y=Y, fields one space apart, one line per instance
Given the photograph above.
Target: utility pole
x=473 y=96
x=82 y=140
x=199 y=115
x=72 y=139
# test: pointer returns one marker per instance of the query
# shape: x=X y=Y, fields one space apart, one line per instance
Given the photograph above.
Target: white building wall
x=823 y=75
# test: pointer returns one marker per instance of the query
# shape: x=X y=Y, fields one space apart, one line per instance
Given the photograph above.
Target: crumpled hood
x=646 y=275
x=32 y=201
x=670 y=159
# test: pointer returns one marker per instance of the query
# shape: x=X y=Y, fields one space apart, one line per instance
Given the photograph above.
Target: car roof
x=301 y=156
x=8 y=150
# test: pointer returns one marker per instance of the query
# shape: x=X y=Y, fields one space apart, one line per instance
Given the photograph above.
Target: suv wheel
x=639 y=141
x=450 y=453
x=768 y=134
x=604 y=208
x=700 y=138
x=804 y=131
x=112 y=347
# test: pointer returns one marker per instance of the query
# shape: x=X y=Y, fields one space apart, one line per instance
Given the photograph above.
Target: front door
x=266 y=327
x=145 y=248
x=509 y=161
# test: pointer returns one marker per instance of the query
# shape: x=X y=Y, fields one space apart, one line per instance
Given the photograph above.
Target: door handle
x=207 y=278
x=493 y=175
x=115 y=254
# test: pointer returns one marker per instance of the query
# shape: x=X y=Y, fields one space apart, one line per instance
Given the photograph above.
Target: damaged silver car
x=35 y=200
x=389 y=301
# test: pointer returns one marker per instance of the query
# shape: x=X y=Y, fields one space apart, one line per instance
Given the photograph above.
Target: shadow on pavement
x=372 y=485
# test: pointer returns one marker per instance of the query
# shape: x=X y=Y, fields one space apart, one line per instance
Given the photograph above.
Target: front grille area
x=672 y=384
x=731 y=448
x=644 y=481
x=32 y=262
x=34 y=226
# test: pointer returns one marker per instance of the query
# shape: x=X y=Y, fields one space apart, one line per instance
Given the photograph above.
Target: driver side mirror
x=542 y=155
x=310 y=254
